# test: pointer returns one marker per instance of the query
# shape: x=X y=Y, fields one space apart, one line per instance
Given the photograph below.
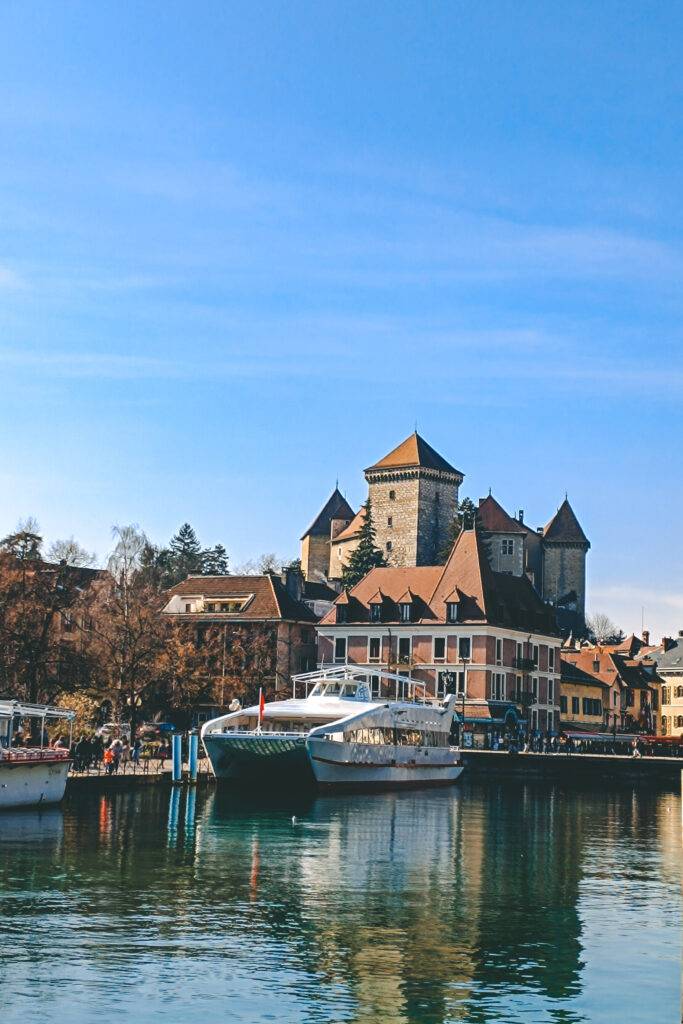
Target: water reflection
x=482 y=903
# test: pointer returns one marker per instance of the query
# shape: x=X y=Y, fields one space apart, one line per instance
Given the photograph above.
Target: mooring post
x=193 y=755
x=177 y=757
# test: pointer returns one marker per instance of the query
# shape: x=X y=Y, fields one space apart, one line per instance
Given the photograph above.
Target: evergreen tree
x=185 y=554
x=366 y=556
x=465 y=518
x=215 y=561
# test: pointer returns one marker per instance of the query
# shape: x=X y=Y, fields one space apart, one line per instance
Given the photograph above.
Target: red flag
x=261 y=706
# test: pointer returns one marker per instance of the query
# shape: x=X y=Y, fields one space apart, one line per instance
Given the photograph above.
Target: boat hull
x=31 y=783
x=258 y=758
x=338 y=765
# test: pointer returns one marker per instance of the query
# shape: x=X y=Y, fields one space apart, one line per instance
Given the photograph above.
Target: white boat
x=31 y=774
x=286 y=742
x=393 y=745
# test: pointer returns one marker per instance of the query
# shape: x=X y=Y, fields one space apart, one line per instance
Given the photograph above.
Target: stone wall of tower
x=415 y=521
x=436 y=508
x=395 y=504
x=564 y=569
x=315 y=556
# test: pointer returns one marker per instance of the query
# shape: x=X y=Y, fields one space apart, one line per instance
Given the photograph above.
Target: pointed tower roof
x=412 y=453
x=494 y=519
x=336 y=507
x=564 y=527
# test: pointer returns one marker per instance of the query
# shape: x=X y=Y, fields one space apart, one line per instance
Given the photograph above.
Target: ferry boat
x=392 y=745
x=31 y=774
x=399 y=737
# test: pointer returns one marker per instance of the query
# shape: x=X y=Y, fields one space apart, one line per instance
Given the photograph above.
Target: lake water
x=484 y=902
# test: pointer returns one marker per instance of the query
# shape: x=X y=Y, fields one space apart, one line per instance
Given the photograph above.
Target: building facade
x=605 y=689
x=669 y=660
x=458 y=626
x=271 y=619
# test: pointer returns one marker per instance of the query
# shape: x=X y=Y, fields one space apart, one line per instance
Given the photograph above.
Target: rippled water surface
x=485 y=902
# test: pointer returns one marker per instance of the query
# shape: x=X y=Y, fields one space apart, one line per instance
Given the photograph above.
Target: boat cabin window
x=405 y=736
x=335 y=688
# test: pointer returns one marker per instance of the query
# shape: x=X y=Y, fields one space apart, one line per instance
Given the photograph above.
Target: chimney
x=646 y=637
x=520 y=515
x=539 y=529
x=293 y=579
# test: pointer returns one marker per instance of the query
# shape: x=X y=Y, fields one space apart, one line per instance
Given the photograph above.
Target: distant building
x=457 y=626
x=280 y=613
x=669 y=660
x=605 y=689
x=413 y=493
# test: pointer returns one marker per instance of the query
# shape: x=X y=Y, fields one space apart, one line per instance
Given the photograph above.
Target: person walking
x=125 y=755
x=135 y=752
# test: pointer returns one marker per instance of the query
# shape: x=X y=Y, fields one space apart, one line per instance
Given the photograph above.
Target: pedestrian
x=135 y=752
x=80 y=754
x=635 y=749
x=125 y=755
x=97 y=751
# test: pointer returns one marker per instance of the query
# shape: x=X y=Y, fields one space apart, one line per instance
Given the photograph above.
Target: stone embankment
x=569 y=767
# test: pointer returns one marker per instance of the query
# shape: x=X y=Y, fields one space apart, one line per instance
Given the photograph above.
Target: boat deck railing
x=34 y=754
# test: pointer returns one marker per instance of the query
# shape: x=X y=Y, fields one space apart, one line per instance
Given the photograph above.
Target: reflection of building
x=461 y=627
x=413 y=493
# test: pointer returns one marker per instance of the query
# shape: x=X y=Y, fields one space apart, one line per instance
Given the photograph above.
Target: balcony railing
x=525 y=664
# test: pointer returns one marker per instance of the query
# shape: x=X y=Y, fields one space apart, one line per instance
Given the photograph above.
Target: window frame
x=437 y=659
x=374 y=659
x=340 y=640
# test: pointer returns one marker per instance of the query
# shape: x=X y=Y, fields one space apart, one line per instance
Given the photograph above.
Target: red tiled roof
x=484 y=596
x=414 y=452
x=494 y=519
x=269 y=599
x=354 y=527
x=564 y=527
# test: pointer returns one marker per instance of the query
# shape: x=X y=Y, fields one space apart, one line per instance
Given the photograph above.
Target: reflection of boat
x=32 y=774
x=31 y=826
x=338 y=735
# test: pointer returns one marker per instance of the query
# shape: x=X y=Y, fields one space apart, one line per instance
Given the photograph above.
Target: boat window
x=333 y=689
x=349 y=689
x=406 y=737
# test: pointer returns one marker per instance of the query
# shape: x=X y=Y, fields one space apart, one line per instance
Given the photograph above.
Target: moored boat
x=31 y=773
x=390 y=746
x=339 y=734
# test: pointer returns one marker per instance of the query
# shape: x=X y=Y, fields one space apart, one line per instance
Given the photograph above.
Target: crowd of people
x=117 y=755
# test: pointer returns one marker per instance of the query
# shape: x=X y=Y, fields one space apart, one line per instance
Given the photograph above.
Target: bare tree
x=602 y=630
x=126 y=558
x=71 y=552
x=267 y=562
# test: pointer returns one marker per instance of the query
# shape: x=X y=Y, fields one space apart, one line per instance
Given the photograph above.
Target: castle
x=413 y=494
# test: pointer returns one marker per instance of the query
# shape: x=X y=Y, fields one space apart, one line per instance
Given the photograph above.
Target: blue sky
x=244 y=247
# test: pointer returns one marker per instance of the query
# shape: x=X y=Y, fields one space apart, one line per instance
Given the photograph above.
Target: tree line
x=70 y=631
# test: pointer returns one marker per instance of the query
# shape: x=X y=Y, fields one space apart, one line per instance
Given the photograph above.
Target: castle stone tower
x=413 y=495
x=565 y=547
x=334 y=516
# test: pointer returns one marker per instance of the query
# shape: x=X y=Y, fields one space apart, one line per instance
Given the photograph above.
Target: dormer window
x=452 y=611
x=596 y=665
x=375 y=612
x=342 y=613
x=404 y=609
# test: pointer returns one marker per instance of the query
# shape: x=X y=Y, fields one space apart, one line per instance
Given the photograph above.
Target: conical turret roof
x=564 y=527
x=414 y=452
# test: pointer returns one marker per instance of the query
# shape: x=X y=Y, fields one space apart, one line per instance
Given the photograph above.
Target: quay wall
x=568 y=767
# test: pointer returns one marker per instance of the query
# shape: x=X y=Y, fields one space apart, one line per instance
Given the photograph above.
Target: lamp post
x=134 y=702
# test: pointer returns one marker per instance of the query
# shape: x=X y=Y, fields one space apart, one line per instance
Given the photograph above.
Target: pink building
x=462 y=627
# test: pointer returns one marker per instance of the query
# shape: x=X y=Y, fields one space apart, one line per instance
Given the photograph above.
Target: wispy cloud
x=9 y=279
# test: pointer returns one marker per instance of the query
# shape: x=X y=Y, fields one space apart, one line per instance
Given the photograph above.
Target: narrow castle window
x=389 y=545
x=390 y=521
x=392 y=495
